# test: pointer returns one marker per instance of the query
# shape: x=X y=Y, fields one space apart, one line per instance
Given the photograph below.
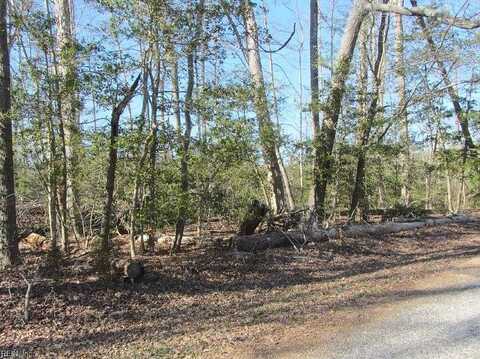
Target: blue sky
x=292 y=63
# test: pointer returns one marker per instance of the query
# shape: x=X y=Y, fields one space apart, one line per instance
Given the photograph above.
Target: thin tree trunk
x=136 y=191
x=401 y=91
x=62 y=189
x=461 y=118
x=315 y=105
x=139 y=164
x=157 y=88
x=184 y=186
x=68 y=93
x=104 y=253
x=449 y=191
x=9 y=253
x=358 y=204
x=176 y=96
x=52 y=163
x=184 y=196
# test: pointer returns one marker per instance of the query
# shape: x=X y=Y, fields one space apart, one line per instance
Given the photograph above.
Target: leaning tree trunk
x=461 y=118
x=69 y=111
x=326 y=136
x=286 y=182
x=267 y=133
x=104 y=250
x=358 y=193
x=359 y=196
x=9 y=253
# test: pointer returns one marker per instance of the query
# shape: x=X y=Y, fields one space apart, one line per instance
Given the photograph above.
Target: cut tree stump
x=262 y=241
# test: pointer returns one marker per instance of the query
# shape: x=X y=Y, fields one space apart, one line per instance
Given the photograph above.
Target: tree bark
x=401 y=91
x=326 y=136
x=69 y=96
x=9 y=253
x=358 y=203
x=461 y=118
x=331 y=110
x=184 y=155
x=314 y=103
x=52 y=162
x=267 y=133
x=359 y=195
x=112 y=166
x=286 y=182
x=157 y=89
x=263 y=241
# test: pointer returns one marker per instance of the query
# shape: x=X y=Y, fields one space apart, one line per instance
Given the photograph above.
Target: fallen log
x=263 y=241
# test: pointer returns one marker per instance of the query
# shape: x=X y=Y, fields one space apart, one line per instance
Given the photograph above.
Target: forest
x=185 y=148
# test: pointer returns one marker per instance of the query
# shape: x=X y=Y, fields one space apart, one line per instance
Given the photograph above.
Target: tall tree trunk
x=52 y=162
x=9 y=253
x=69 y=95
x=359 y=195
x=286 y=182
x=461 y=118
x=184 y=155
x=103 y=260
x=61 y=195
x=358 y=204
x=139 y=162
x=157 y=89
x=268 y=136
x=176 y=95
x=401 y=91
x=137 y=187
x=315 y=105
x=325 y=137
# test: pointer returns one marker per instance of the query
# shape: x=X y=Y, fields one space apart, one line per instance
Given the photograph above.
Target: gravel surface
x=440 y=320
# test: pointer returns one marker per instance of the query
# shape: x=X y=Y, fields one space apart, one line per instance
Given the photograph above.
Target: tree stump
x=134 y=271
x=255 y=214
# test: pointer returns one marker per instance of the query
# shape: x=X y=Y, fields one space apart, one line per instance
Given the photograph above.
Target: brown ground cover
x=211 y=302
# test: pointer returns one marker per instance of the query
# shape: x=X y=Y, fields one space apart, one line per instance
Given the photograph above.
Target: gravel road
x=439 y=320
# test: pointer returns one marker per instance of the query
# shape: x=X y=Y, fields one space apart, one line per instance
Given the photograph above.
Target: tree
x=69 y=110
x=267 y=134
x=103 y=255
x=315 y=97
x=403 y=114
x=9 y=253
x=368 y=115
x=333 y=104
x=461 y=116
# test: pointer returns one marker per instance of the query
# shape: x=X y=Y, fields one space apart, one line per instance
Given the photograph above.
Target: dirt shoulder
x=208 y=303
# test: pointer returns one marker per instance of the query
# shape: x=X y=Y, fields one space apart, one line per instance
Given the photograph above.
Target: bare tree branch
x=423 y=11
